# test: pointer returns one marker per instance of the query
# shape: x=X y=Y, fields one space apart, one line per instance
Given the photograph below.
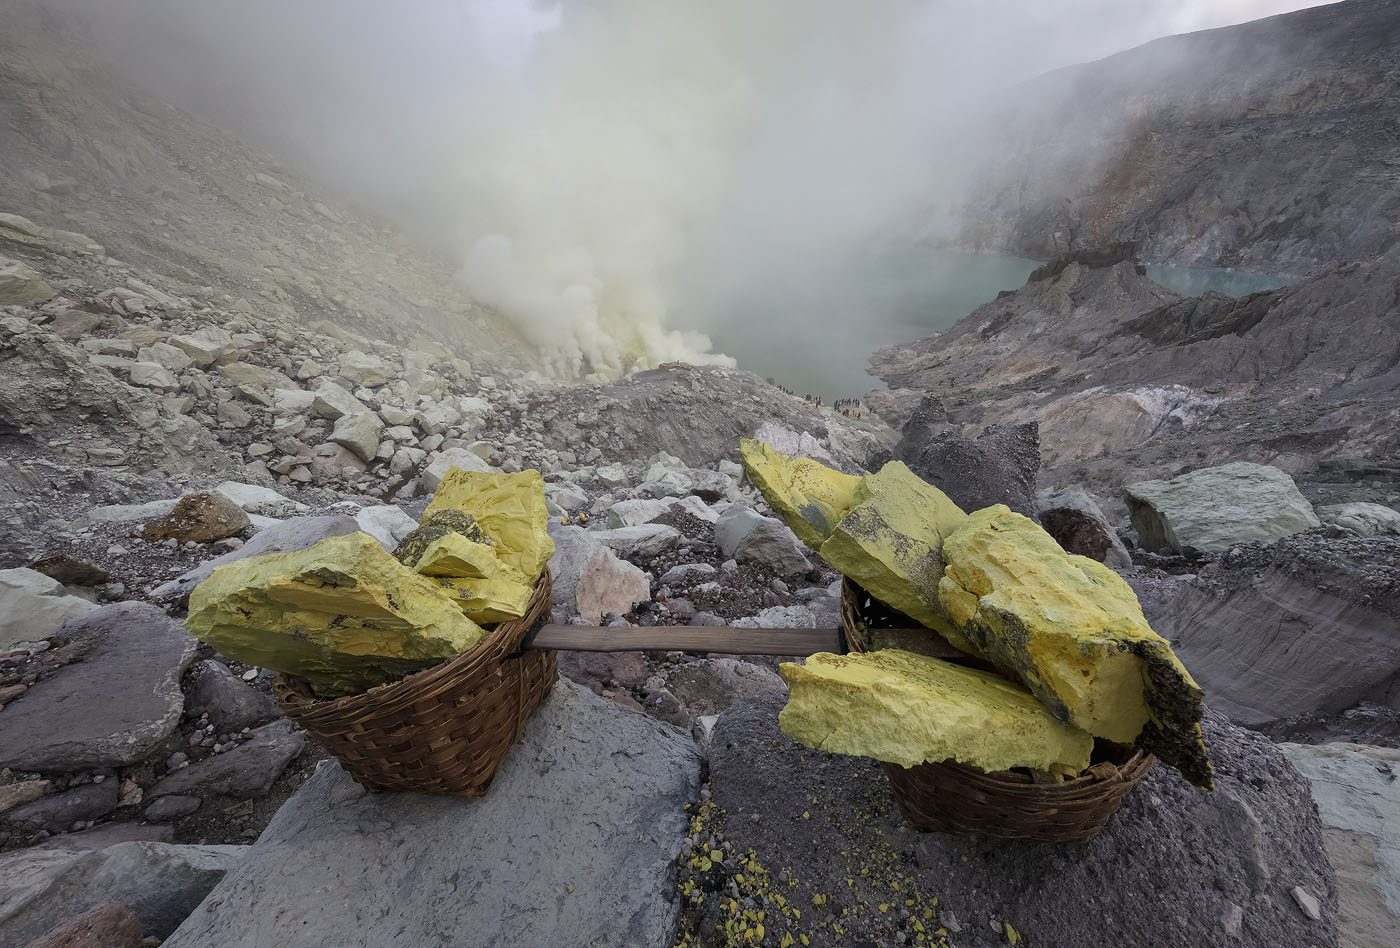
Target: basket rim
x=294 y=693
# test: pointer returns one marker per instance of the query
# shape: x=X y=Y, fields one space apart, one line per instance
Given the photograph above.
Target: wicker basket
x=442 y=730
x=949 y=797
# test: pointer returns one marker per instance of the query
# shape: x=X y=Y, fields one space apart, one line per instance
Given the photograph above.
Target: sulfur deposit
x=891 y=543
x=995 y=585
x=907 y=709
x=343 y=614
x=1072 y=631
x=810 y=497
x=485 y=540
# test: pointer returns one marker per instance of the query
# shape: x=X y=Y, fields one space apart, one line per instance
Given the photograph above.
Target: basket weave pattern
x=445 y=729
x=949 y=797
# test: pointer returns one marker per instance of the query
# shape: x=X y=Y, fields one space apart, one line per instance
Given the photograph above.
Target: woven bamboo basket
x=949 y=797
x=445 y=729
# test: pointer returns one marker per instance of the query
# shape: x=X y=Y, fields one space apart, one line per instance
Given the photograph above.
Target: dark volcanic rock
x=108 y=925
x=1174 y=867
x=114 y=706
x=1265 y=146
x=59 y=812
x=999 y=466
x=1077 y=523
x=1310 y=383
x=248 y=770
x=1272 y=632
x=230 y=703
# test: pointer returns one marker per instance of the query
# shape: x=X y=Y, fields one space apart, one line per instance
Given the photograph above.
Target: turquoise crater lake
x=815 y=335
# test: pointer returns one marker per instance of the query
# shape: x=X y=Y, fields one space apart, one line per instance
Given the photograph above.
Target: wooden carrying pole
x=591 y=638
x=726 y=641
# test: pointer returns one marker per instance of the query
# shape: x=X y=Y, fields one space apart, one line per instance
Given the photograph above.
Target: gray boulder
x=112 y=708
x=571 y=846
x=445 y=460
x=58 y=813
x=1214 y=508
x=749 y=536
x=1357 y=789
x=589 y=580
x=711 y=685
x=1174 y=868
x=999 y=466
x=21 y=284
x=645 y=540
x=1078 y=524
x=295 y=534
x=1271 y=632
x=230 y=703
x=33 y=606
x=631 y=513
x=1362 y=520
x=248 y=770
x=162 y=883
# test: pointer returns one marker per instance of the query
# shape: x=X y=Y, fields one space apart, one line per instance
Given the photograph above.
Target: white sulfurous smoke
x=612 y=174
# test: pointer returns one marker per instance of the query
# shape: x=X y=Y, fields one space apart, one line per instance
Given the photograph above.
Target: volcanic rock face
x=1128 y=385
x=1292 y=112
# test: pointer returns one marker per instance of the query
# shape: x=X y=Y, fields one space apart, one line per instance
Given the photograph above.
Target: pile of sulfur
x=1077 y=659
x=346 y=615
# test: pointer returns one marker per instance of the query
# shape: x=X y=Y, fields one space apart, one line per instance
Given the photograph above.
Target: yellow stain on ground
x=905 y=708
x=343 y=614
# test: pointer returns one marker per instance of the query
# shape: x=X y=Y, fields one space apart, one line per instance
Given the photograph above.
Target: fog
x=613 y=174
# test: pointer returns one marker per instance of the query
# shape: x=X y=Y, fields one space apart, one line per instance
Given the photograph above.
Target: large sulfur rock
x=34 y=606
x=344 y=614
x=1071 y=629
x=509 y=508
x=162 y=883
x=297 y=533
x=1214 y=508
x=452 y=549
x=571 y=847
x=891 y=542
x=908 y=709
x=810 y=497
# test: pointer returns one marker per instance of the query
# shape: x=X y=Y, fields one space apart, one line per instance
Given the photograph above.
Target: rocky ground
x=204 y=359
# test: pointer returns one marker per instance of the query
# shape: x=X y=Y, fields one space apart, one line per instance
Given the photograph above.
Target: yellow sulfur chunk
x=343 y=614
x=1072 y=631
x=509 y=508
x=907 y=709
x=891 y=543
x=810 y=497
x=488 y=600
x=456 y=556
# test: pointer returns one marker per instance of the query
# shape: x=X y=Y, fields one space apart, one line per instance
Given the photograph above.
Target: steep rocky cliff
x=1271 y=146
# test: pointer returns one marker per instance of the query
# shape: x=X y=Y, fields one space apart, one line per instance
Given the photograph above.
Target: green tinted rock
x=343 y=614
x=810 y=497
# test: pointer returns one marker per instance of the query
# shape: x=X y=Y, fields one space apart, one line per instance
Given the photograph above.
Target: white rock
x=629 y=513
x=153 y=375
x=128 y=513
x=365 y=369
x=292 y=401
x=589 y=580
x=162 y=353
x=444 y=461
x=332 y=402
x=386 y=523
x=260 y=500
x=359 y=433
x=33 y=606
x=1361 y=519
x=20 y=284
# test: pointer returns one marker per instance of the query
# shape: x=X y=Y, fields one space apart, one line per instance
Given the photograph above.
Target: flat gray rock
x=1357 y=789
x=571 y=846
x=248 y=770
x=1176 y=867
x=161 y=882
x=34 y=606
x=295 y=534
x=112 y=708
x=1214 y=508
